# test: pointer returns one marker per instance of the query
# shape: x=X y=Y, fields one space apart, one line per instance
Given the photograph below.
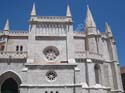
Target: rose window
x=51 y=75
x=51 y=53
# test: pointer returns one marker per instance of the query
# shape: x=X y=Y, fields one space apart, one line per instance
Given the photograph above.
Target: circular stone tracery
x=51 y=75
x=51 y=53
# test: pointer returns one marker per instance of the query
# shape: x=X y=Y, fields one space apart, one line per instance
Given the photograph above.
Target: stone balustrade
x=87 y=54
x=13 y=54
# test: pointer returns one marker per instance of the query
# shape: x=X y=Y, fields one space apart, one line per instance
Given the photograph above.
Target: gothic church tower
x=53 y=58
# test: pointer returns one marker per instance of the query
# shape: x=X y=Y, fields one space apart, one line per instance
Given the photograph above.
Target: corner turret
x=91 y=33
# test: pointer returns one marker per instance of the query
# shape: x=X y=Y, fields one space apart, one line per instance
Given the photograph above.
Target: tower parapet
x=62 y=59
x=46 y=19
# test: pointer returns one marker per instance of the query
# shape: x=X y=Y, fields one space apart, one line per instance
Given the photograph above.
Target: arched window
x=97 y=74
x=46 y=92
x=57 y=92
x=17 y=48
x=21 y=48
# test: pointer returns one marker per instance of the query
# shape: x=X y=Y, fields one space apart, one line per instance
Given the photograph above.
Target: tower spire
x=68 y=13
x=108 y=30
x=7 y=27
x=89 y=19
x=33 y=12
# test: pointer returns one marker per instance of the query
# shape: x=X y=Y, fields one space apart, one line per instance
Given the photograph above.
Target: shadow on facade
x=9 y=82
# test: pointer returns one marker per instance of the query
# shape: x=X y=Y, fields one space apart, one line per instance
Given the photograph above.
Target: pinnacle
x=107 y=27
x=68 y=13
x=33 y=12
x=108 y=30
x=89 y=19
x=6 y=28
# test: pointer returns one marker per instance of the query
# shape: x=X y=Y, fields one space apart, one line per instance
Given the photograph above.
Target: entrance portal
x=9 y=86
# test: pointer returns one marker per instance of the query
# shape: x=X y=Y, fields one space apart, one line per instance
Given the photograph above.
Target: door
x=9 y=86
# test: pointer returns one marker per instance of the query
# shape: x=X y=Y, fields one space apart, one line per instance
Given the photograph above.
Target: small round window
x=51 y=75
x=51 y=53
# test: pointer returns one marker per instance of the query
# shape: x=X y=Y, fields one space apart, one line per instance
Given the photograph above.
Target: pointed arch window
x=97 y=74
x=17 y=48
x=21 y=48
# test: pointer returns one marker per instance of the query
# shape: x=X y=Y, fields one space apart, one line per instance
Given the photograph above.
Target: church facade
x=53 y=58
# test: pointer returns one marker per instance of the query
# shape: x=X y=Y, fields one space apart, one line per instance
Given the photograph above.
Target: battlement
x=79 y=34
x=55 y=19
x=15 y=33
x=18 y=33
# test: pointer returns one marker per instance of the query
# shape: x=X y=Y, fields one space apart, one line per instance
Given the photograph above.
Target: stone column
x=91 y=73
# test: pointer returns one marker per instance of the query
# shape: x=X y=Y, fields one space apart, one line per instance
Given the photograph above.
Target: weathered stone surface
x=53 y=58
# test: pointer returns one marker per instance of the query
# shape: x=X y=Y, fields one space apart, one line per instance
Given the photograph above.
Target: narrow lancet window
x=21 y=48
x=97 y=74
x=17 y=48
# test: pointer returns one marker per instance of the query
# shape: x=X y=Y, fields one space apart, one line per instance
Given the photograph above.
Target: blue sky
x=111 y=11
